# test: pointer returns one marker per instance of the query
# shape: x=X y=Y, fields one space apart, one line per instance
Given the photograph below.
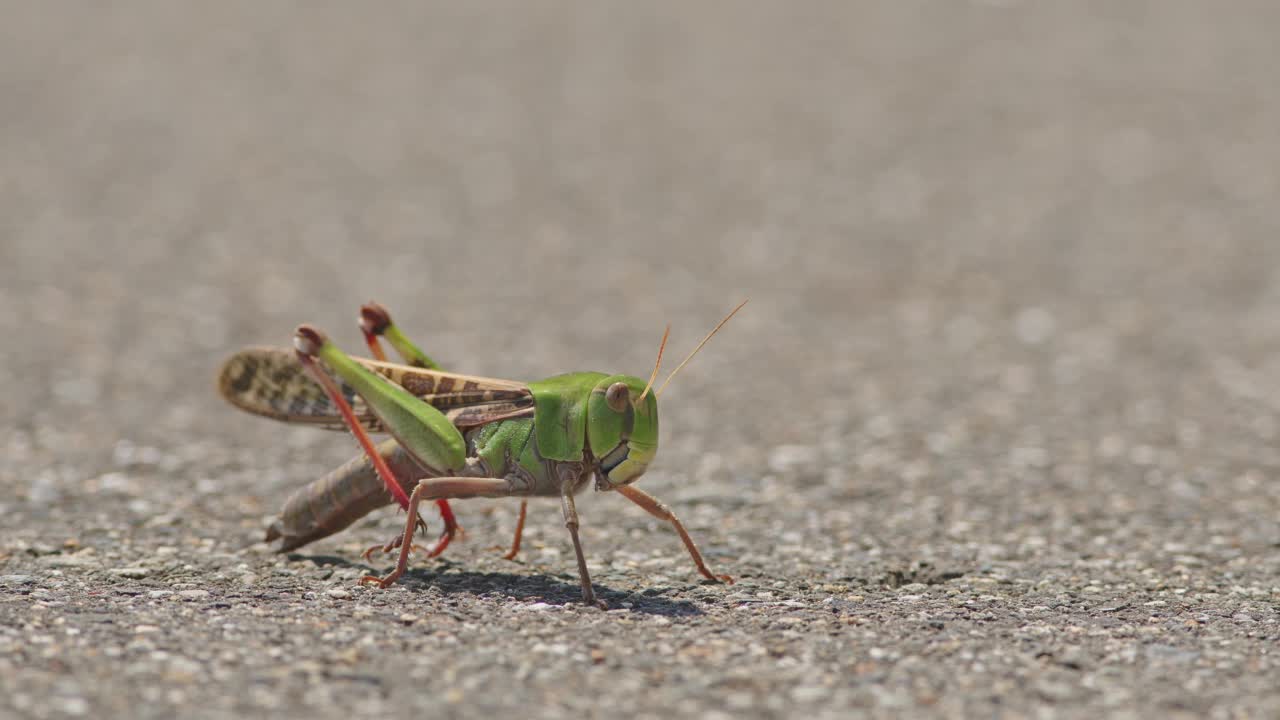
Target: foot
x=446 y=537
x=381 y=582
x=391 y=546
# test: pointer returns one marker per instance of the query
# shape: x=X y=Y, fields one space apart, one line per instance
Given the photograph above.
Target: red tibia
x=349 y=417
x=375 y=347
x=450 y=528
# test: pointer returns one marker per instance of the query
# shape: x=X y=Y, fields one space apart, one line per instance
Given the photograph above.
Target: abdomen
x=341 y=497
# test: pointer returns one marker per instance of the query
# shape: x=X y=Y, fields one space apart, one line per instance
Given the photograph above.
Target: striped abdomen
x=341 y=497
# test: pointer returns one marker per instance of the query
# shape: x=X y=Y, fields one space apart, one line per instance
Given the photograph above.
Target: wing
x=272 y=383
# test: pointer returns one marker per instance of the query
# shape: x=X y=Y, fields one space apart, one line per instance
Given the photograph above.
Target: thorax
x=509 y=448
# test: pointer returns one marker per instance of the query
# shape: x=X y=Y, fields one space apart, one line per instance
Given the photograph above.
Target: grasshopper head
x=622 y=418
x=622 y=429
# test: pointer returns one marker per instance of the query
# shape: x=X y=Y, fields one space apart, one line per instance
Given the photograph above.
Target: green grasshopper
x=453 y=436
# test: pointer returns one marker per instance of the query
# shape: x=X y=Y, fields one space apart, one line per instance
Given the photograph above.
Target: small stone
x=157 y=594
x=1034 y=325
x=39 y=548
x=145 y=629
x=193 y=594
x=43 y=490
x=338 y=593
x=1055 y=691
x=809 y=693
x=131 y=572
x=140 y=645
x=74 y=705
x=72 y=561
x=538 y=607
x=1073 y=657
x=16 y=579
x=785 y=458
x=880 y=427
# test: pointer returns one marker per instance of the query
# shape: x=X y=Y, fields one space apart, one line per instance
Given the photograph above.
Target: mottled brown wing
x=272 y=383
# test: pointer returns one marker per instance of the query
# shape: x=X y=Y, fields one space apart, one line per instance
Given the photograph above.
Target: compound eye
x=618 y=396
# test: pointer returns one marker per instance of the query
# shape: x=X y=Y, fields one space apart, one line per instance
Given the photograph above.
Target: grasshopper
x=453 y=436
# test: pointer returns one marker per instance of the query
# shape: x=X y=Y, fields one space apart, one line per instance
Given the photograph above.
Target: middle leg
x=434 y=489
x=515 y=544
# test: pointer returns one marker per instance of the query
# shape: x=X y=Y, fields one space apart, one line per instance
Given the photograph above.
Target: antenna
x=656 y=364
x=714 y=330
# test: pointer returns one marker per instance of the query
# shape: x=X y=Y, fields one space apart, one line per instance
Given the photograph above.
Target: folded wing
x=272 y=383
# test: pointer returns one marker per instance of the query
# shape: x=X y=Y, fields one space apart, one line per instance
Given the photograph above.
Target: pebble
x=131 y=572
x=787 y=458
x=338 y=593
x=1034 y=325
x=193 y=594
x=72 y=561
x=73 y=705
x=809 y=693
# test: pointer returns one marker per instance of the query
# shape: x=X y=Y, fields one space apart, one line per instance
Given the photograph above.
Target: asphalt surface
x=995 y=436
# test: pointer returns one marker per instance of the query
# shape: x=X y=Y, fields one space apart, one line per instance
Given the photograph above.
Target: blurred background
x=1020 y=224
x=1012 y=266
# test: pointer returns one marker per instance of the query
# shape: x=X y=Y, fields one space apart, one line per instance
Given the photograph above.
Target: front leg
x=654 y=507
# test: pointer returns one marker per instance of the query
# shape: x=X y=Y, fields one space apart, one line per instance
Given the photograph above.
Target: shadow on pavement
x=447 y=578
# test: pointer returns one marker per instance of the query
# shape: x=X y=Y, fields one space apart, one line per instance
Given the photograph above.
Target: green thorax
x=573 y=414
x=505 y=444
x=560 y=414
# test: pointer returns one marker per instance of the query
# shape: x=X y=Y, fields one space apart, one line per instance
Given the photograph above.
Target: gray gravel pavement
x=997 y=435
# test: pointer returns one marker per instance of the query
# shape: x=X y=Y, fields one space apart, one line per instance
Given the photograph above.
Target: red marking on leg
x=451 y=528
x=388 y=547
x=375 y=347
x=349 y=417
x=515 y=544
